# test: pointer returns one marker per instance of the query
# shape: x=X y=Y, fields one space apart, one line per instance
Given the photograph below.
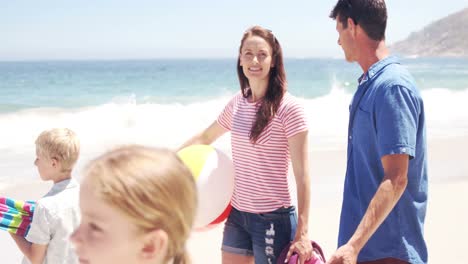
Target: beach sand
x=446 y=219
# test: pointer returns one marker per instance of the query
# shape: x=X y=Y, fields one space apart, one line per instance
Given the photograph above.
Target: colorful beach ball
x=214 y=176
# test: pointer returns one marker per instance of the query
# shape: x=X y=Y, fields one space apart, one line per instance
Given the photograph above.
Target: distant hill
x=447 y=37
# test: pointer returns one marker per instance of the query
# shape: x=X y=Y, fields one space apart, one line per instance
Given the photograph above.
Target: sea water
x=164 y=102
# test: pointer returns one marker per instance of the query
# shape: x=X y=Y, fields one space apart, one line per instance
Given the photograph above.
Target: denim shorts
x=262 y=235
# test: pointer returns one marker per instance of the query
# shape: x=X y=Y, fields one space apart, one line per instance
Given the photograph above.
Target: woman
x=268 y=130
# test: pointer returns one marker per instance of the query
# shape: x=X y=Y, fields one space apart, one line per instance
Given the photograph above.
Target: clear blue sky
x=113 y=29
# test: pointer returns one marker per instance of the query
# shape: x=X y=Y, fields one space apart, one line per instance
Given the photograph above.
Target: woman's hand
x=302 y=247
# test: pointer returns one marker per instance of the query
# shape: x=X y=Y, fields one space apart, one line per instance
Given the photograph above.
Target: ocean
x=164 y=102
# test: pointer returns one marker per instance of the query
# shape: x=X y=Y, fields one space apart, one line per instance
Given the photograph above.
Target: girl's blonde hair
x=153 y=188
x=61 y=144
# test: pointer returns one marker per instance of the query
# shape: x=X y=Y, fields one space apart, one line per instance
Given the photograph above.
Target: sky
x=151 y=29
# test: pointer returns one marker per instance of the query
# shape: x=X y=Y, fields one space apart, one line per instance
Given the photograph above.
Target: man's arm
x=35 y=253
x=389 y=192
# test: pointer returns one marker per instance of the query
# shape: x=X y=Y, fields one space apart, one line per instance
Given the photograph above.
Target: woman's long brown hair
x=276 y=82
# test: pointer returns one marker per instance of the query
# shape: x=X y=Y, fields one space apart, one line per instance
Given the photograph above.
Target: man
x=385 y=191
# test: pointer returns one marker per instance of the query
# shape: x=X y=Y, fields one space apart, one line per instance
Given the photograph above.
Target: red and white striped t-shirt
x=261 y=169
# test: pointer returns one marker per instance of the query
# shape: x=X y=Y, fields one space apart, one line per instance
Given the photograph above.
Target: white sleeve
x=40 y=230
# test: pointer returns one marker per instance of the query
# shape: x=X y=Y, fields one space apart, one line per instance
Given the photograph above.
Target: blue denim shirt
x=386 y=117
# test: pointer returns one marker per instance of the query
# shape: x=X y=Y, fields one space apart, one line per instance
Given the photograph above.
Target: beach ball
x=214 y=175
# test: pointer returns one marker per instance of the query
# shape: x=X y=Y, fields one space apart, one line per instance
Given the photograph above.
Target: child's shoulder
x=61 y=195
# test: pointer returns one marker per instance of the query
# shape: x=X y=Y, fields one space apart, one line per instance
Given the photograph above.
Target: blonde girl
x=138 y=206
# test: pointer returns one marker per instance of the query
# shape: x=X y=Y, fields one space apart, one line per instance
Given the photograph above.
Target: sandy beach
x=446 y=219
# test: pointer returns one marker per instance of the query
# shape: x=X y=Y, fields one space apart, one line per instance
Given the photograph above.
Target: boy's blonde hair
x=61 y=144
x=153 y=188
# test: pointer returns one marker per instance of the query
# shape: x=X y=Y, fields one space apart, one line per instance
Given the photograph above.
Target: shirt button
x=350 y=137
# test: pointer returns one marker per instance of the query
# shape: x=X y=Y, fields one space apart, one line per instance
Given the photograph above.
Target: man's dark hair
x=371 y=15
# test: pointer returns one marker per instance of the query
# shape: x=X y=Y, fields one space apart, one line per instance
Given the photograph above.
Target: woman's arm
x=298 y=147
x=207 y=136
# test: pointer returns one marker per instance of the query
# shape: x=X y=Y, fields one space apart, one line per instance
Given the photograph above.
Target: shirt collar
x=62 y=185
x=377 y=67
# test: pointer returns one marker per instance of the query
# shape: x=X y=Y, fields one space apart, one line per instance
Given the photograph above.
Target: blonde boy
x=57 y=213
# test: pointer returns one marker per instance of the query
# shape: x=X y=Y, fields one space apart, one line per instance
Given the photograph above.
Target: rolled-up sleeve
x=397 y=117
x=294 y=119
x=225 y=118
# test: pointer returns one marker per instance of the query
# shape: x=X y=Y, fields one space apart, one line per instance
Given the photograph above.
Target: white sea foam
x=169 y=125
